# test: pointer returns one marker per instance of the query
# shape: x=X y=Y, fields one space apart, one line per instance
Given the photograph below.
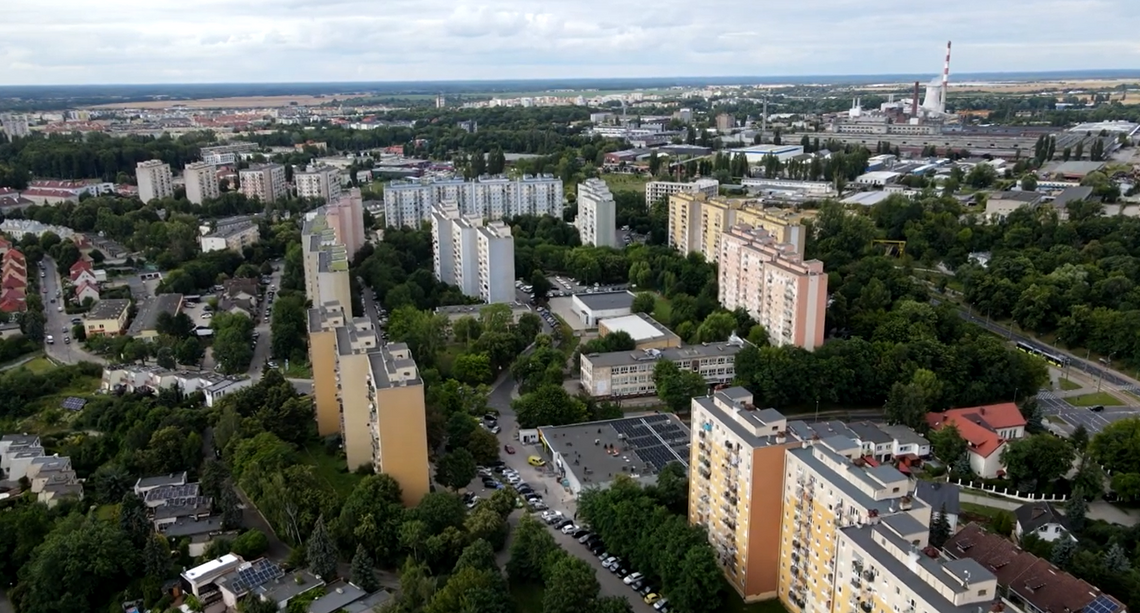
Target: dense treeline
x=1078 y=279
x=92 y=155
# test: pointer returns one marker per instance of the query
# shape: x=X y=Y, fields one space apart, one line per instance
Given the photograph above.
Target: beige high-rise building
x=201 y=182
x=265 y=182
x=477 y=257
x=806 y=513
x=154 y=180
x=697 y=221
x=770 y=281
x=345 y=215
x=321 y=182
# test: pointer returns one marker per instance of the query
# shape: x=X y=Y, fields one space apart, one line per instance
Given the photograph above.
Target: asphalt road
x=1094 y=422
x=59 y=323
x=1109 y=376
x=553 y=494
x=261 y=352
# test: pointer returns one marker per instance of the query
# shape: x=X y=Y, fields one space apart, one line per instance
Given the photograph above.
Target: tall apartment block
x=345 y=214
x=656 y=190
x=696 y=222
x=770 y=281
x=321 y=182
x=14 y=125
x=477 y=258
x=802 y=513
x=372 y=395
x=265 y=182
x=409 y=203
x=201 y=182
x=597 y=214
x=154 y=180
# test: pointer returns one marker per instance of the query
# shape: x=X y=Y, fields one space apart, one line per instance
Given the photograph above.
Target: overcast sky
x=208 y=41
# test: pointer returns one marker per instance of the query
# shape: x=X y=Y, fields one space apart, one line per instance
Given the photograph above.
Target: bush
x=250 y=545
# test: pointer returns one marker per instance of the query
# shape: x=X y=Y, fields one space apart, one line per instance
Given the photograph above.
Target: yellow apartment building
x=399 y=420
x=697 y=221
x=107 y=318
x=323 y=323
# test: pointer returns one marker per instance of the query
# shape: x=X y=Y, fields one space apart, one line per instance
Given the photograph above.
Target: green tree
x=133 y=520
x=672 y=487
x=483 y=446
x=570 y=586
x=676 y=387
x=93 y=559
x=485 y=523
x=189 y=352
x=456 y=469
x=1029 y=183
x=1034 y=461
x=939 y=528
x=229 y=506
x=1079 y=439
x=906 y=404
x=1075 y=511
x=156 y=557
x=716 y=328
x=251 y=545
x=532 y=542
x=473 y=368
x=1063 y=551
x=947 y=444
x=321 y=552
x=540 y=285
x=549 y=405
x=1115 y=561
x=644 y=302
x=363 y=574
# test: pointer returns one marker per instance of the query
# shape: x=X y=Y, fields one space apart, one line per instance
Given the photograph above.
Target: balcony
x=867 y=607
x=869 y=575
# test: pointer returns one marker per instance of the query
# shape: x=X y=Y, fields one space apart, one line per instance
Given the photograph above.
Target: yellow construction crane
x=895 y=248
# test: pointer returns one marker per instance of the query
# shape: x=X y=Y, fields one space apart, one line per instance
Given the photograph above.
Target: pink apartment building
x=770 y=281
x=346 y=216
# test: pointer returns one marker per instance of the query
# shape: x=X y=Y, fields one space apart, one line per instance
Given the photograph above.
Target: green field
x=662 y=312
x=299 y=370
x=331 y=469
x=621 y=182
x=40 y=365
x=1067 y=385
x=1089 y=400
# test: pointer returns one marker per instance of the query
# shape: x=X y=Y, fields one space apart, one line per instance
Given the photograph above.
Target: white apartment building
x=656 y=190
x=630 y=373
x=597 y=214
x=14 y=125
x=233 y=237
x=201 y=182
x=229 y=153
x=770 y=281
x=265 y=182
x=409 y=203
x=477 y=258
x=154 y=180
x=321 y=182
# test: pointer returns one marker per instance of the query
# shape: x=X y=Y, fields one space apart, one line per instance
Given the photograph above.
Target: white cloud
x=150 y=41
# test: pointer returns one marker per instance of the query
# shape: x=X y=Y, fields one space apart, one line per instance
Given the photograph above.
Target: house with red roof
x=82 y=270
x=986 y=430
x=85 y=290
x=13 y=300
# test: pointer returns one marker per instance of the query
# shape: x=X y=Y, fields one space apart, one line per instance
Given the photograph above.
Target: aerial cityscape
x=290 y=322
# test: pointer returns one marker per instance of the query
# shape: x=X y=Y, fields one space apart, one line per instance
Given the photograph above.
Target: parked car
x=535 y=461
x=610 y=561
x=652 y=597
x=562 y=523
x=630 y=578
x=570 y=528
x=585 y=536
x=662 y=605
x=510 y=450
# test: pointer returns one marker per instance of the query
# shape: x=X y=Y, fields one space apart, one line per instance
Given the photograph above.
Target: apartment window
x=982 y=592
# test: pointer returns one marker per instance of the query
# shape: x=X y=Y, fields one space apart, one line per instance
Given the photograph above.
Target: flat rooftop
x=641 y=446
x=151 y=308
x=109 y=309
x=676 y=354
x=607 y=301
x=639 y=326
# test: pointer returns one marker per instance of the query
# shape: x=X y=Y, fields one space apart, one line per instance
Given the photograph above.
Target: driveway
x=555 y=496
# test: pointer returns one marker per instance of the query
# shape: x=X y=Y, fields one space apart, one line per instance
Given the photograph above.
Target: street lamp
x=1107 y=363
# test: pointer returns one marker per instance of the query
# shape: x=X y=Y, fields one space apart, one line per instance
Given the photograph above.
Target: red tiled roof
x=57 y=184
x=13 y=254
x=1033 y=579
x=993 y=416
x=14 y=293
x=7 y=191
x=49 y=193
x=80 y=264
x=982 y=441
x=11 y=305
x=13 y=282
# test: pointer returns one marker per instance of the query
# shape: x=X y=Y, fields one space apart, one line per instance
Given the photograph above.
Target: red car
x=509 y=449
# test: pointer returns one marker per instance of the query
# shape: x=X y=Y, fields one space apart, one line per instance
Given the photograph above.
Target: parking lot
x=1093 y=421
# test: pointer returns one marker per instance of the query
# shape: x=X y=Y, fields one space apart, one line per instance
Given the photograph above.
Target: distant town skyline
x=273 y=41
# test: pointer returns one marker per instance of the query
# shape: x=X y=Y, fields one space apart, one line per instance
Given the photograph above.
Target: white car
x=661 y=604
x=570 y=529
x=610 y=561
x=630 y=578
x=547 y=515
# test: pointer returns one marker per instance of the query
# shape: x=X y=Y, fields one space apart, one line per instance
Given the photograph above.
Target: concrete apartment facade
x=478 y=258
x=14 y=125
x=321 y=182
x=345 y=214
x=696 y=223
x=154 y=180
x=201 y=182
x=630 y=373
x=769 y=280
x=232 y=237
x=265 y=182
x=656 y=190
x=597 y=214
x=229 y=153
x=410 y=203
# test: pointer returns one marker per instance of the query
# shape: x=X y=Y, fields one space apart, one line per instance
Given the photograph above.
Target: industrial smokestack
x=945 y=80
x=914 y=102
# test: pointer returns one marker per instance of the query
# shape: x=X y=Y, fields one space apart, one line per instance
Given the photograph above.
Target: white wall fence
x=1005 y=492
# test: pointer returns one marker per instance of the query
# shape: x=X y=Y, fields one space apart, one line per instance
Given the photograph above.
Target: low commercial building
x=645 y=331
x=592 y=454
x=592 y=308
x=233 y=237
x=1000 y=204
x=620 y=374
x=877 y=178
x=145 y=324
x=107 y=318
x=458 y=311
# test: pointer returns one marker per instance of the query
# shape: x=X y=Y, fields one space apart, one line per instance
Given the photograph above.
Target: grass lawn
x=107 y=512
x=299 y=370
x=40 y=365
x=662 y=311
x=447 y=357
x=331 y=468
x=733 y=604
x=527 y=597
x=1088 y=400
x=567 y=334
x=1053 y=419
x=619 y=182
x=1067 y=385
x=989 y=513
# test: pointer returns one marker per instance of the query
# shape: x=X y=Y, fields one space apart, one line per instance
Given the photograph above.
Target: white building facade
x=477 y=258
x=409 y=203
x=656 y=190
x=321 y=182
x=265 y=182
x=154 y=180
x=201 y=182
x=597 y=214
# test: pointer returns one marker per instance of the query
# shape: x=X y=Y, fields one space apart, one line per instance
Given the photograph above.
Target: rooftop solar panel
x=1102 y=604
x=72 y=403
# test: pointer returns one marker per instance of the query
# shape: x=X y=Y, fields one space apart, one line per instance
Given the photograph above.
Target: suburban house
x=86 y=290
x=1029 y=582
x=239 y=296
x=83 y=271
x=146 y=484
x=51 y=478
x=985 y=429
x=940 y=497
x=133 y=378
x=163 y=494
x=1042 y=519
